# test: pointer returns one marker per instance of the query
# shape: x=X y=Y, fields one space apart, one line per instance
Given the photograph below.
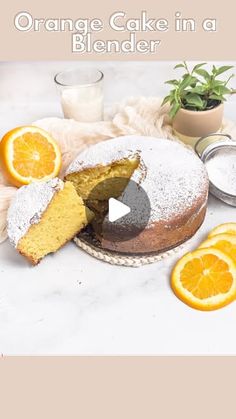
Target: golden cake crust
x=159 y=237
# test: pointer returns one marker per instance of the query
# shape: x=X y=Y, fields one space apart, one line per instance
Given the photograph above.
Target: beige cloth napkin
x=143 y=116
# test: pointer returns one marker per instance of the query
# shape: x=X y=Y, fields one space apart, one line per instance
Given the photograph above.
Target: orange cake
x=173 y=177
x=43 y=216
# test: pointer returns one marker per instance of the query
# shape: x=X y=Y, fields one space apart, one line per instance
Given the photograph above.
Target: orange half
x=29 y=154
x=205 y=279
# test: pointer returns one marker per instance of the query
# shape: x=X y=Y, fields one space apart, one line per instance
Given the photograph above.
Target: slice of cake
x=43 y=216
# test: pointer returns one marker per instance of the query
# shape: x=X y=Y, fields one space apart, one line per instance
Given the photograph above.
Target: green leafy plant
x=198 y=89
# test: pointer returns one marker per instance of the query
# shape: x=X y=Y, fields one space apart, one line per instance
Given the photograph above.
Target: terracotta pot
x=191 y=125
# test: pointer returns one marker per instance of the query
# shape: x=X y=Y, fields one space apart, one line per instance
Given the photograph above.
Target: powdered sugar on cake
x=28 y=206
x=174 y=176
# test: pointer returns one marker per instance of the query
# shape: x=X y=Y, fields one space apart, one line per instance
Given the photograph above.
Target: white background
x=74 y=304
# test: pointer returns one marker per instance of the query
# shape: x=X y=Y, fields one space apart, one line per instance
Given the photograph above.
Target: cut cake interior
x=89 y=183
x=64 y=217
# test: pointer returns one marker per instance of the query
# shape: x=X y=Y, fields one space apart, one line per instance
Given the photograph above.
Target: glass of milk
x=81 y=91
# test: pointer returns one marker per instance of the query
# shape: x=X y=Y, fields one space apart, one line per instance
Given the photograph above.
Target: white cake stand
x=90 y=245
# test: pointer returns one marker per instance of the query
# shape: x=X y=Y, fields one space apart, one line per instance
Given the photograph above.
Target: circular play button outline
x=131 y=210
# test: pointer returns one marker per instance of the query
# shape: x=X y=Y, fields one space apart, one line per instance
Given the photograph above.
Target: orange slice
x=227 y=228
x=205 y=279
x=29 y=154
x=224 y=242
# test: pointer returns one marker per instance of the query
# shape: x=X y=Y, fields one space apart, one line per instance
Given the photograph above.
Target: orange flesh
x=206 y=276
x=30 y=150
x=227 y=247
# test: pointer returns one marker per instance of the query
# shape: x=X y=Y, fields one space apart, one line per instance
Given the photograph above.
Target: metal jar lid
x=208 y=152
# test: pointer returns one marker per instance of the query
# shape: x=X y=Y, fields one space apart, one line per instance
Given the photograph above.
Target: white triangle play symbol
x=117 y=210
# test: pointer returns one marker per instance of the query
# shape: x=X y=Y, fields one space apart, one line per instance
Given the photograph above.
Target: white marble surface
x=74 y=304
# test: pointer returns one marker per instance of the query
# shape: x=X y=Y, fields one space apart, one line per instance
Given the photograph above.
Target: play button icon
x=121 y=207
x=117 y=210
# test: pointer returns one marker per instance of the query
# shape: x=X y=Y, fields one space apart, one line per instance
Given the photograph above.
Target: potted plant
x=196 y=101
